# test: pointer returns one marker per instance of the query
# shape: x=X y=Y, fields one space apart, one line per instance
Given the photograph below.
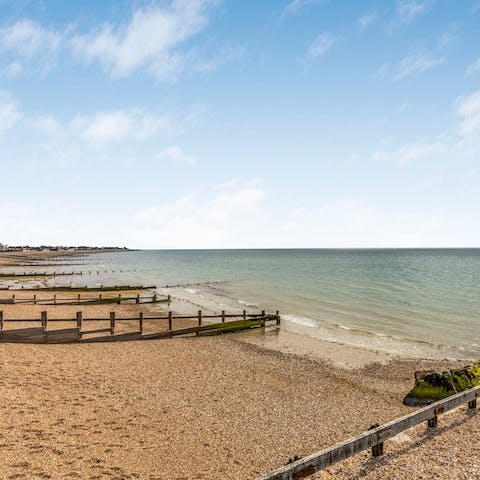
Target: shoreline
x=339 y=351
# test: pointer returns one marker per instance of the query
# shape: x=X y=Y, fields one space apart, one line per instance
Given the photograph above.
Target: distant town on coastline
x=49 y=248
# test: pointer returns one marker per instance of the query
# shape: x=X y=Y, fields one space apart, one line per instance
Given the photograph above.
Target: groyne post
x=44 y=322
x=1 y=320
x=79 y=321
x=112 y=323
x=140 y=322
x=170 y=320
x=199 y=320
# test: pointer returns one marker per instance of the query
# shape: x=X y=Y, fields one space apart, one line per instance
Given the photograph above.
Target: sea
x=423 y=302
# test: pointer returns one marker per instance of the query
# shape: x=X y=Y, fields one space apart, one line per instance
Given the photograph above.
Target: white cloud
x=367 y=19
x=28 y=41
x=222 y=216
x=119 y=125
x=12 y=70
x=150 y=41
x=28 y=38
x=468 y=109
x=474 y=67
x=321 y=45
x=175 y=154
x=413 y=152
x=409 y=9
x=418 y=63
x=10 y=114
x=296 y=5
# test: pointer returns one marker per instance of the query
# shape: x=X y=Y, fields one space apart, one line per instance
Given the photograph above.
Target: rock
x=431 y=386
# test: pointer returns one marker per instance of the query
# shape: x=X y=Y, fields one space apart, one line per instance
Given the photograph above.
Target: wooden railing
x=373 y=438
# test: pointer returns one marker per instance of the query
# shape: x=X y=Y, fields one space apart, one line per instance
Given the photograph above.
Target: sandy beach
x=224 y=407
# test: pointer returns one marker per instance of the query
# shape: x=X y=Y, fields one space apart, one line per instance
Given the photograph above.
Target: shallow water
x=410 y=301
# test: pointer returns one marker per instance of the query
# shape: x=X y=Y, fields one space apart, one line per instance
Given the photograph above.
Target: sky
x=240 y=123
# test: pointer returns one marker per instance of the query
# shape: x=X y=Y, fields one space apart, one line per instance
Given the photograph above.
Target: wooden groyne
x=79 y=300
x=205 y=325
x=373 y=439
x=112 y=288
x=38 y=274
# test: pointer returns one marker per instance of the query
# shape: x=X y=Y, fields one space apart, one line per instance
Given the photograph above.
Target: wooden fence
x=100 y=300
x=373 y=438
x=206 y=324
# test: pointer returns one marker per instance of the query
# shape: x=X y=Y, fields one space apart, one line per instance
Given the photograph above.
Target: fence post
x=472 y=405
x=79 y=321
x=112 y=323
x=377 y=450
x=44 y=322
x=140 y=322
x=433 y=422
x=1 y=320
x=199 y=320
x=223 y=316
x=170 y=320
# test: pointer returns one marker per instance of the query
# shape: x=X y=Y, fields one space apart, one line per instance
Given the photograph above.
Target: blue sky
x=210 y=123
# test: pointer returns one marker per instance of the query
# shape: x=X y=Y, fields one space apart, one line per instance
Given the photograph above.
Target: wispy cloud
x=409 y=9
x=321 y=45
x=10 y=114
x=174 y=153
x=468 y=109
x=412 y=152
x=27 y=41
x=150 y=41
x=474 y=67
x=295 y=6
x=367 y=19
x=418 y=62
x=155 y=39
x=119 y=126
x=220 y=216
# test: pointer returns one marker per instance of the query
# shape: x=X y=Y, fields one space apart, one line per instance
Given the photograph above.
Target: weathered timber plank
x=329 y=456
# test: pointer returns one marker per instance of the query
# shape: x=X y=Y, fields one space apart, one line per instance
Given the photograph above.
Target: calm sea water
x=391 y=299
